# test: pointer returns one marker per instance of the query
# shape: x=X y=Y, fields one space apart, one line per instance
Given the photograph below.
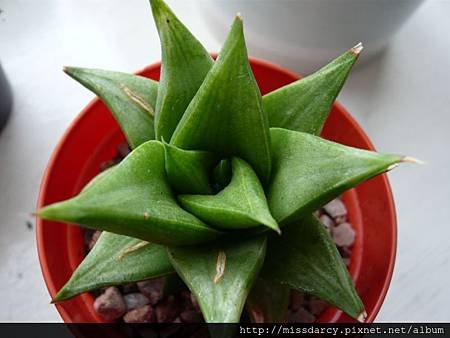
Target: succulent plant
x=221 y=184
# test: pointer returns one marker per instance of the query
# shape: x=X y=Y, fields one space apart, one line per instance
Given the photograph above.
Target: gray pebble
x=344 y=235
x=327 y=221
x=135 y=300
x=335 y=208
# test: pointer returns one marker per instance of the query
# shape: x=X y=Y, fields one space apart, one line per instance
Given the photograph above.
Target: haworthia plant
x=224 y=160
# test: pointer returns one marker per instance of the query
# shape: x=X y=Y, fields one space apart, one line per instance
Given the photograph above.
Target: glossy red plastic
x=92 y=138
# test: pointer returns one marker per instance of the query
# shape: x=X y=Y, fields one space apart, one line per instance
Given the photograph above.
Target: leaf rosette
x=221 y=183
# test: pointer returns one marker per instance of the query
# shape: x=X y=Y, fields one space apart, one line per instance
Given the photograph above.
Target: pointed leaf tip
x=362 y=317
x=410 y=159
x=130 y=98
x=229 y=103
x=184 y=65
x=310 y=171
x=304 y=105
x=357 y=49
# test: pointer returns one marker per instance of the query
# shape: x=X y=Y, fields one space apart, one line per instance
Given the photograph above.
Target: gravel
x=110 y=305
x=152 y=289
x=135 y=301
x=343 y=234
x=144 y=314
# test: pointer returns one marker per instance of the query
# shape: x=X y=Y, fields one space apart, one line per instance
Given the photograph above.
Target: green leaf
x=305 y=104
x=188 y=171
x=130 y=98
x=116 y=260
x=220 y=275
x=268 y=300
x=226 y=114
x=221 y=175
x=185 y=64
x=134 y=199
x=309 y=171
x=242 y=204
x=305 y=258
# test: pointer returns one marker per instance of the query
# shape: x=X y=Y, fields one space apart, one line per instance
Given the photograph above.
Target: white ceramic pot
x=305 y=34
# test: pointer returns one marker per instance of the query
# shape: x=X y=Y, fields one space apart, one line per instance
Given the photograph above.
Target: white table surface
x=402 y=100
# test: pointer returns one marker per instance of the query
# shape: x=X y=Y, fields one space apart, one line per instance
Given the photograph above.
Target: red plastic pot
x=92 y=139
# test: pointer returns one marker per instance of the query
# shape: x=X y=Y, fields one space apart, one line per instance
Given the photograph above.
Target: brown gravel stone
x=152 y=289
x=340 y=220
x=123 y=150
x=94 y=239
x=343 y=235
x=317 y=306
x=297 y=299
x=256 y=314
x=135 y=300
x=301 y=316
x=144 y=314
x=345 y=251
x=110 y=304
x=130 y=288
x=107 y=165
x=335 y=208
x=191 y=316
x=167 y=310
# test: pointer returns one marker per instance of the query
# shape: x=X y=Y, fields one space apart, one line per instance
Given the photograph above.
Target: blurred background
x=399 y=93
